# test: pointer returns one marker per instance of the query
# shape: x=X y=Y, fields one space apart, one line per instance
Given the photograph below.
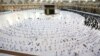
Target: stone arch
x=20 y=2
x=26 y=1
x=32 y=0
x=12 y=2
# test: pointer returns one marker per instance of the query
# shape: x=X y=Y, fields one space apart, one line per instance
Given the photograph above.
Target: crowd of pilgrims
x=66 y=36
x=91 y=20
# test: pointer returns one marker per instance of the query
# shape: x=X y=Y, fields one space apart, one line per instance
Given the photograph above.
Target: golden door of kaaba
x=49 y=9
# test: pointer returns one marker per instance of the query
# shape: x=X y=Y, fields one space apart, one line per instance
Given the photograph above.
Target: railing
x=15 y=53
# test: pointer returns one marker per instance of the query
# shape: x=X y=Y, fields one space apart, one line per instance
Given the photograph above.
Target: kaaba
x=49 y=9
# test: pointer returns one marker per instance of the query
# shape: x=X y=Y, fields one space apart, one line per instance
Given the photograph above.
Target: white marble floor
x=63 y=34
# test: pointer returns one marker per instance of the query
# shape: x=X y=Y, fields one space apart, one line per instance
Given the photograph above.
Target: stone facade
x=40 y=1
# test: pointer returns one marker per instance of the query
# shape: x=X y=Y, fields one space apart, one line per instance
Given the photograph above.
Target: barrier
x=14 y=53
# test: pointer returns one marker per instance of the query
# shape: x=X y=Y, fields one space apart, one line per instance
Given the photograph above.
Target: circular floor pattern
x=63 y=34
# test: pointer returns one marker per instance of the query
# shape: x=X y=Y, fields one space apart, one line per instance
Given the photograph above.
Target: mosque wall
x=40 y=1
x=83 y=5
